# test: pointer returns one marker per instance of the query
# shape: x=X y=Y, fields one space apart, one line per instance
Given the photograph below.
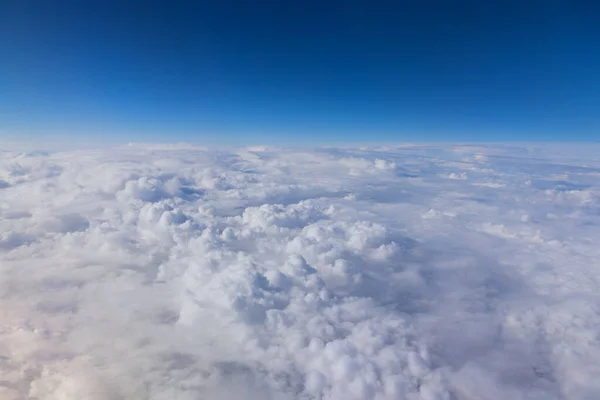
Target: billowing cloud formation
x=174 y=272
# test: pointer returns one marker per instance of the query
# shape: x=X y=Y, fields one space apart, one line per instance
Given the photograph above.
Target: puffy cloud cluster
x=408 y=272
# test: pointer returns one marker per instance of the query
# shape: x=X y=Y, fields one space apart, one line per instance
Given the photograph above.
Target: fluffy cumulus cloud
x=404 y=272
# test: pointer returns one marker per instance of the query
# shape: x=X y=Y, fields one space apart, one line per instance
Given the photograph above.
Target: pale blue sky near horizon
x=307 y=72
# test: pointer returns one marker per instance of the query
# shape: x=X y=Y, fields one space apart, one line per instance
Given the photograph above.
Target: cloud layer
x=405 y=272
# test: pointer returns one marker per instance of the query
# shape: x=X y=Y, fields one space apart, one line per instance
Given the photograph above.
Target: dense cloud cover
x=405 y=272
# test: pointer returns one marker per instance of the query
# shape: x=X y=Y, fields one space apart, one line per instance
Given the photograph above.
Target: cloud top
x=418 y=273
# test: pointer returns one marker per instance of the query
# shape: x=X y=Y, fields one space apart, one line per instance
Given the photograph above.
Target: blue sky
x=297 y=72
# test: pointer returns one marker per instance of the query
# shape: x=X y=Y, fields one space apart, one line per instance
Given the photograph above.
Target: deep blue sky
x=287 y=71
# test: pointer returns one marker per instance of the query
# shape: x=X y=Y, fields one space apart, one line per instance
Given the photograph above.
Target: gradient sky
x=306 y=71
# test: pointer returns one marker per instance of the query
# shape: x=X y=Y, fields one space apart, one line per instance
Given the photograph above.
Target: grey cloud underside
x=405 y=272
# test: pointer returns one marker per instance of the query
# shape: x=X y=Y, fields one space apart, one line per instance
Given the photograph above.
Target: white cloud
x=177 y=272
